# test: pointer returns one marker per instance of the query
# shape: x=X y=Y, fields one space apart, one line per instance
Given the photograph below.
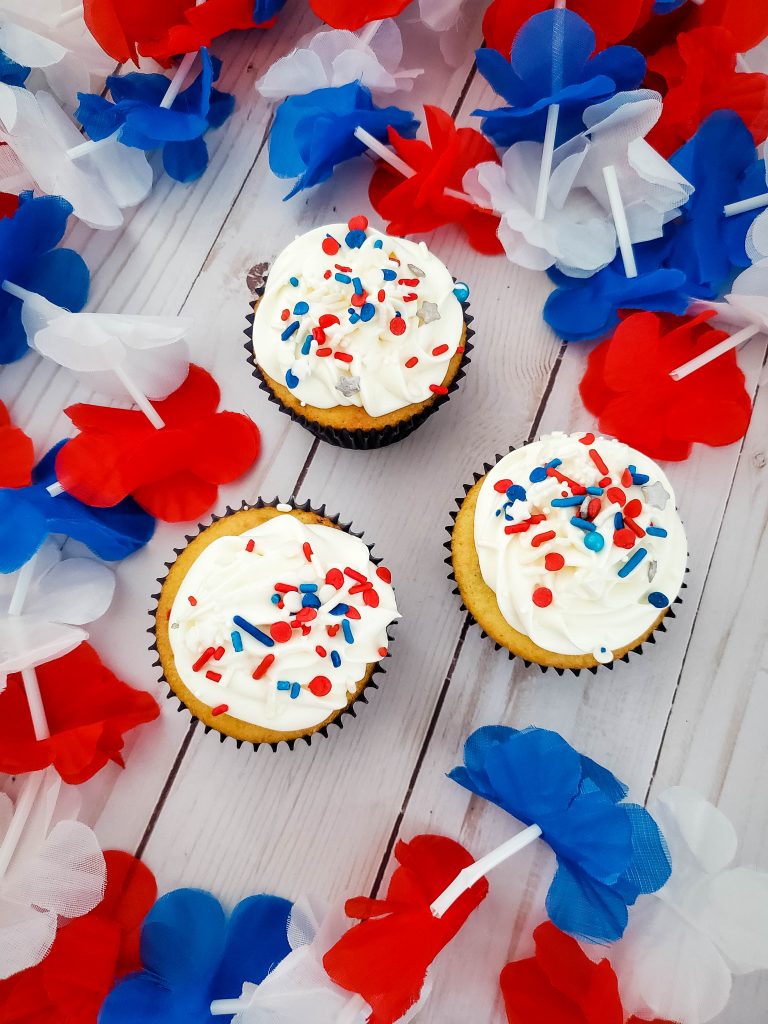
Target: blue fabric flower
x=608 y=852
x=135 y=113
x=582 y=309
x=721 y=161
x=12 y=73
x=314 y=132
x=192 y=955
x=29 y=258
x=667 y=6
x=29 y=514
x=265 y=10
x=551 y=62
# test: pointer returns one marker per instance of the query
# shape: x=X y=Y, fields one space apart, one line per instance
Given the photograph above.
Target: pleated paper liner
x=357 y=439
x=348 y=712
x=638 y=649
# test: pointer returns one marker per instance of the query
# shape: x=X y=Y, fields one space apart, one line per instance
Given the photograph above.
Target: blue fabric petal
x=141 y=998
x=265 y=10
x=221 y=107
x=139 y=87
x=185 y=161
x=584 y=908
x=257 y=940
x=12 y=73
x=22 y=531
x=183 y=938
x=97 y=115
x=593 y=834
x=62 y=276
x=603 y=780
x=13 y=337
x=650 y=866
x=667 y=6
x=623 y=64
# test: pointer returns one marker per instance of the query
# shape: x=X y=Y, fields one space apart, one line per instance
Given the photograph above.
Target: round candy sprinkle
x=367 y=312
x=280 y=632
x=616 y=496
x=294 y=281
x=301 y=308
x=624 y=538
x=397 y=325
x=382 y=652
x=516 y=493
x=502 y=486
x=594 y=541
x=554 y=561
x=328 y=320
x=320 y=686
x=658 y=600
x=633 y=508
x=330 y=246
x=355 y=239
x=542 y=597
x=461 y=291
x=587 y=439
x=358 y=223
x=335 y=578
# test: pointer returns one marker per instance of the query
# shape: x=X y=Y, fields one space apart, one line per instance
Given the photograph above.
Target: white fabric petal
x=27 y=47
x=735 y=917
x=26 y=935
x=747 y=302
x=440 y=15
x=73 y=591
x=27 y=641
x=757 y=237
x=698 y=834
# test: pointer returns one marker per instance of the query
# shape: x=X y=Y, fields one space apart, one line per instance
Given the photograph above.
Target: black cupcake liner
x=361 y=440
x=361 y=698
x=594 y=669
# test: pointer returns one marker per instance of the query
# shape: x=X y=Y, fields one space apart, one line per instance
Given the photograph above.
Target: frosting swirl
x=277 y=626
x=581 y=542
x=350 y=316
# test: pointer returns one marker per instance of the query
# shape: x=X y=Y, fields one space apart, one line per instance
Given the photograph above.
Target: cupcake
x=271 y=623
x=358 y=335
x=569 y=551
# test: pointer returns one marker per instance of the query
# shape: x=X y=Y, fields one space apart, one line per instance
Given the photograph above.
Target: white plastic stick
x=467 y=877
x=547 y=153
x=745 y=205
x=22 y=807
x=620 y=220
x=370 y=30
x=54 y=489
x=71 y=15
x=32 y=299
x=717 y=350
x=223 y=1007
x=139 y=398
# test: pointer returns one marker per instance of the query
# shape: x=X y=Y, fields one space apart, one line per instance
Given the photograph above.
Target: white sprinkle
x=282 y=507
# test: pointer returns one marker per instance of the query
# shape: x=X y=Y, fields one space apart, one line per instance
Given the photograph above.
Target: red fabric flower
x=353 y=15
x=88 y=711
x=628 y=388
x=174 y=473
x=9 y=203
x=200 y=25
x=17 y=455
x=561 y=985
x=123 y=28
x=611 y=22
x=418 y=204
x=746 y=20
x=385 y=957
x=701 y=76
x=89 y=953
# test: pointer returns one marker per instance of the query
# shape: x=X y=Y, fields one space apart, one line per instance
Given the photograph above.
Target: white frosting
x=228 y=580
x=593 y=610
x=377 y=378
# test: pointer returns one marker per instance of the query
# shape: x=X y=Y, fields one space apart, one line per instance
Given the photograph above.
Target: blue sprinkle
x=283 y=684
x=237 y=641
x=398 y=313
x=595 y=490
x=295 y=282
x=340 y=609
x=566 y=502
x=583 y=524
x=554 y=464
x=367 y=312
x=275 y=599
x=295 y=691
x=358 y=285
x=656 y=531
x=291 y=379
x=347 y=631
x=308 y=588
x=538 y=475
x=355 y=239
x=461 y=291
x=344 y=278
x=618 y=521
x=389 y=275
x=594 y=541
x=658 y=600
x=378 y=244
x=335 y=659
x=310 y=601
x=307 y=345
x=633 y=562
x=640 y=478
x=289 y=330
x=353 y=318
x=253 y=631
x=300 y=308
x=516 y=493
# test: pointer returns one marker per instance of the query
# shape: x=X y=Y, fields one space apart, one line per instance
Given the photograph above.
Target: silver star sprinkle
x=256 y=277
x=348 y=385
x=652 y=567
x=428 y=312
x=656 y=495
x=416 y=271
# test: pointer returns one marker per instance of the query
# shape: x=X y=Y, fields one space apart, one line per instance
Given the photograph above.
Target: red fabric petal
x=385 y=957
x=17 y=455
x=199 y=26
x=611 y=22
x=628 y=389
x=746 y=20
x=88 y=710
x=174 y=473
x=9 y=203
x=124 y=27
x=353 y=15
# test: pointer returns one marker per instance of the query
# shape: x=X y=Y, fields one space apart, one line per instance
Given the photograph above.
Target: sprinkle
x=319 y=335
x=285 y=314
x=502 y=486
x=416 y=271
x=656 y=531
x=321 y=651
x=461 y=291
x=616 y=496
x=384 y=574
x=516 y=493
x=283 y=684
x=300 y=308
x=285 y=588
x=355 y=575
x=595 y=490
x=307 y=345
x=263 y=665
x=343 y=278
x=410 y=363
x=357 y=223
x=633 y=508
x=335 y=659
x=428 y=312
x=307 y=549
x=370 y=598
x=295 y=691
x=343 y=357
x=553 y=464
x=410 y=297
x=308 y=588
x=438 y=389
x=381 y=295
x=518 y=528
x=367 y=312
x=357 y=284
x=253 y=631
x=220 y=709
x=587 y=439
x=618 y=521
x=389 y=275
x=542 y=538
x=339 y=609
x=275 y=599
x=280 y=632
x=593 y=508
x=576 y=488
x=250 y=545
x=320 y=686
x=310 y=601
x=397 y=325
x=192 y=600
x=324 y=352
x=204 y=657
x=237 y=641
x=360 y=588
x=658 y=600
x=634 y=527
x=335 y=578
x=626 y=478
x=624 y=538
x=355 y=239
x=346 y=629
x=439 y=350
x=378 y=244
x=598 y=460
x=604 y=481
x=328 y=320
x=294 y=281
x=633 y=562
x=542 y=597
x=594 y=541
x=291 y=379
x=382 y=652
x=655 y=495
x=332 y=630
x=582 y=524
x=538 y=475
x=218 y=654
x=566 y=502
x=409 y=282
x=638 y=479
x=305 y=614
x=289 y=330
x=330 y=246
x=554 y=561
x=327 y=274
x=215 y=677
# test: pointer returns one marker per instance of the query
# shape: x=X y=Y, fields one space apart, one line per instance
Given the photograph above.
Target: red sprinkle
x=587 y=439
x=410 y=282
x=327 y=274
x=330 y=246
x=335 y=578
x=382 y=652
x=359 y=300
x=382 y=295
x=626 y=478
x=307 y=549
x=218 y=654
x=332 y=630
x=542 y=538
x=324 y=352
x=542 y=597
x=593 y=508
x=358 y=223
x=633 y=508
x=285 y=588
x=285 y=314
x=342 y=268
x=220 y=709
x=213 y=676
x=250 y=545
x=439 y=350
x=319 y=335
x=410 y=297
x=624 y=538
x=343 y=357
x=616 y=495
x=502 y=486
x=438 y=389
x=320 y=685
x=321 y=651
x=352 y=613
x=371 y=598
x=204 y=657
x=355 y=575
x=304 y=615
x=554 y=561
x=263 y=665
x=280 y=632
x=518 y=527
x=384 y=574
x=410 y=363
x=634 y=527
x=397 y=325
x=328 y=320
x=604 y=481
x=360 y=588
x=576 y=488
x=538 y=517
x=192 y=600
x=461 y=349
x=597 y=459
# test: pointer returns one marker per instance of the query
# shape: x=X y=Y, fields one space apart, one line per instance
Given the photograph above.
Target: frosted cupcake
x=271 y=623
x=358 y=335
x=569 y=552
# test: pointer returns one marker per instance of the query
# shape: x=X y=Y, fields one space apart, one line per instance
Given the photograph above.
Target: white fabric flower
x=683 y=943
x=745 y=304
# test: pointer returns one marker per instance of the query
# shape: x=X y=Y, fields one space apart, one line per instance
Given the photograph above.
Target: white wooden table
x=325 y=818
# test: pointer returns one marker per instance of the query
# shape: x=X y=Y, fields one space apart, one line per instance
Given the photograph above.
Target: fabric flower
x=191 y=954
x=313 y=133
x=11 y=73
x=608 y=851
x=352 y=15
x=386 y=956
x=421 y=203
x=98 y=186
x=56 y=870
x=551 y=62
x=135 y=112
x=59 y=990
x=746 y=21
x=201 y=23
x=29 y=258
x=575 y=234
x=559 y=984
x=722 y=164
x=9 y=203
x=627 y=387
x=702 y=76
x=88 y=710
x=707 y=923
x=335 y=57
x=611 y=23
x=174 y=472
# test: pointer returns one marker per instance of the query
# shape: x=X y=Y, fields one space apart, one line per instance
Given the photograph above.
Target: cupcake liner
x=350 y=710
x=361 y=440
x=638 y=650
